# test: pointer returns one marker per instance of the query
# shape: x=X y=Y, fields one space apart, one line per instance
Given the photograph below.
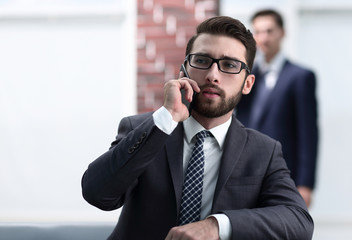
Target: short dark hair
x=227 y=26
x=270 y=12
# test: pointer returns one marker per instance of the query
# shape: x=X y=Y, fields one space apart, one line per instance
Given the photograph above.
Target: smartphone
x=189 y=105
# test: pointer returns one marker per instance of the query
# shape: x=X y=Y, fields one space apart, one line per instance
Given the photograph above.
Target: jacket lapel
x=174 y=152
x=235 y=139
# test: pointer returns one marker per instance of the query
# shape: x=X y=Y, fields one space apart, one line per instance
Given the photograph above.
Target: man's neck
x=270 y=57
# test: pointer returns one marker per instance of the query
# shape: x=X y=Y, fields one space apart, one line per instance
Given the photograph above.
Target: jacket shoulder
x=297 y=68
x=135 y=120
x=255 y=135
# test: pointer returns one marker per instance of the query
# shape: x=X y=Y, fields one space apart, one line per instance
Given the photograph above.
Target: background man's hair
x=270 y=12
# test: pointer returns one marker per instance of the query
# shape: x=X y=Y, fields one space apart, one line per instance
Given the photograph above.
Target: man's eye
x=229 y=64
x=200 y=60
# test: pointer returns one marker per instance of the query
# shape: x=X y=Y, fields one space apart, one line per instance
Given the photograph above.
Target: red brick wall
x=163 y=29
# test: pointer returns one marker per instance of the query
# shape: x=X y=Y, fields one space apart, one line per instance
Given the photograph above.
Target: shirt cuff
x=163 y=120
x=225 y=229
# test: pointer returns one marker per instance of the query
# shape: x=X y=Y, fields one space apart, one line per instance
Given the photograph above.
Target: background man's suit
x=143 y=172
x=288 y=115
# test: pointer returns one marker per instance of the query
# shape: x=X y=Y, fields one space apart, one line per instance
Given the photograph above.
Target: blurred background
x=71 y=69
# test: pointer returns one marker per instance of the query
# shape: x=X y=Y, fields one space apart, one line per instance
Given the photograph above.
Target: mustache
x=210 y=85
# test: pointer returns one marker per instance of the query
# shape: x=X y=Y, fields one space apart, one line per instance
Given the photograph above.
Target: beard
x=210 y=109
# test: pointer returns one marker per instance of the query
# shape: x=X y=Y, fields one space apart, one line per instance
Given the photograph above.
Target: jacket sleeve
x=307 y=134
x=280 y=213
x=109 y=180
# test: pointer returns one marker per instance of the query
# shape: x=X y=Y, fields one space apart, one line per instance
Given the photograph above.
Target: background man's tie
x=193 y=183
x=259 y=101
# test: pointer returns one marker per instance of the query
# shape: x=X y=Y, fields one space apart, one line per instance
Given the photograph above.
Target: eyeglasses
x=226 y=65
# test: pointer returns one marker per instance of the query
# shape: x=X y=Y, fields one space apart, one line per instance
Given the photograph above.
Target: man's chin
x=211 y=110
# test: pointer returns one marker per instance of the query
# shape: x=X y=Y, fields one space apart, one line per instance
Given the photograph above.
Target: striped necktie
x=193 y=183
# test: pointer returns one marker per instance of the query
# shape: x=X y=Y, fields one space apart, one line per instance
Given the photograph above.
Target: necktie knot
x=202 y=135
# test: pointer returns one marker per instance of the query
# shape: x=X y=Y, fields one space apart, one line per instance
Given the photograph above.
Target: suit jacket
x=143 y=172
x=289 y=115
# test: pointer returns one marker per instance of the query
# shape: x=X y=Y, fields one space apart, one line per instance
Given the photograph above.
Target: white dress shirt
x=272 y=69
x=213 y=148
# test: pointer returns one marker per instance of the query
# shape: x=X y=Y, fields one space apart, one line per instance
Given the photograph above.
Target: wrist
x=224 y=225
x=213 y=226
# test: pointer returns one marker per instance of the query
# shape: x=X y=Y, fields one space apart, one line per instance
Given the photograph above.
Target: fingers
x=306 y=193
x=190 y=86
x=173 y=99
x=205 y=229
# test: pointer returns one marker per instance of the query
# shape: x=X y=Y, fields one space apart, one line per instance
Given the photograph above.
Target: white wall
x=325 y=41
x=67 y=76
x=319 y=36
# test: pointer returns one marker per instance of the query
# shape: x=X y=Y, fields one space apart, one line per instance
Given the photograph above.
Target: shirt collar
x=192 y=127
x=274 y=65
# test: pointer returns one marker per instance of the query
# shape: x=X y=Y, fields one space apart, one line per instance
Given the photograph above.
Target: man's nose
x=262 y=34
x=213 y=73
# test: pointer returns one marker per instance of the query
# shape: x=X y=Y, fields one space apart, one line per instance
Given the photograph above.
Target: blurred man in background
x=282 y=103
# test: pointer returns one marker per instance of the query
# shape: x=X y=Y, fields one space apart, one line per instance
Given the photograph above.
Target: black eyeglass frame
x=243 y=65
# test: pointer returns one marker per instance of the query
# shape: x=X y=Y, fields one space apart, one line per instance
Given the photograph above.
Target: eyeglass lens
x=225 y=65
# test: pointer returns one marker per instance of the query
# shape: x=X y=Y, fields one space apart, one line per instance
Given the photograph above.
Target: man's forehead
x=218 y=46
x=265 y=22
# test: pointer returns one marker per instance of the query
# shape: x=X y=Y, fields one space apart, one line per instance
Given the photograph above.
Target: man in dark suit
x=282 y=104
x=233 y=185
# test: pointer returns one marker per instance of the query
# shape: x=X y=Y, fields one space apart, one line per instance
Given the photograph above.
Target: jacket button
x=131 y=150
x=140 y=140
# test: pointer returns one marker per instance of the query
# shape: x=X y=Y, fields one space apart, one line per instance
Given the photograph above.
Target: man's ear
x=248 y=84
